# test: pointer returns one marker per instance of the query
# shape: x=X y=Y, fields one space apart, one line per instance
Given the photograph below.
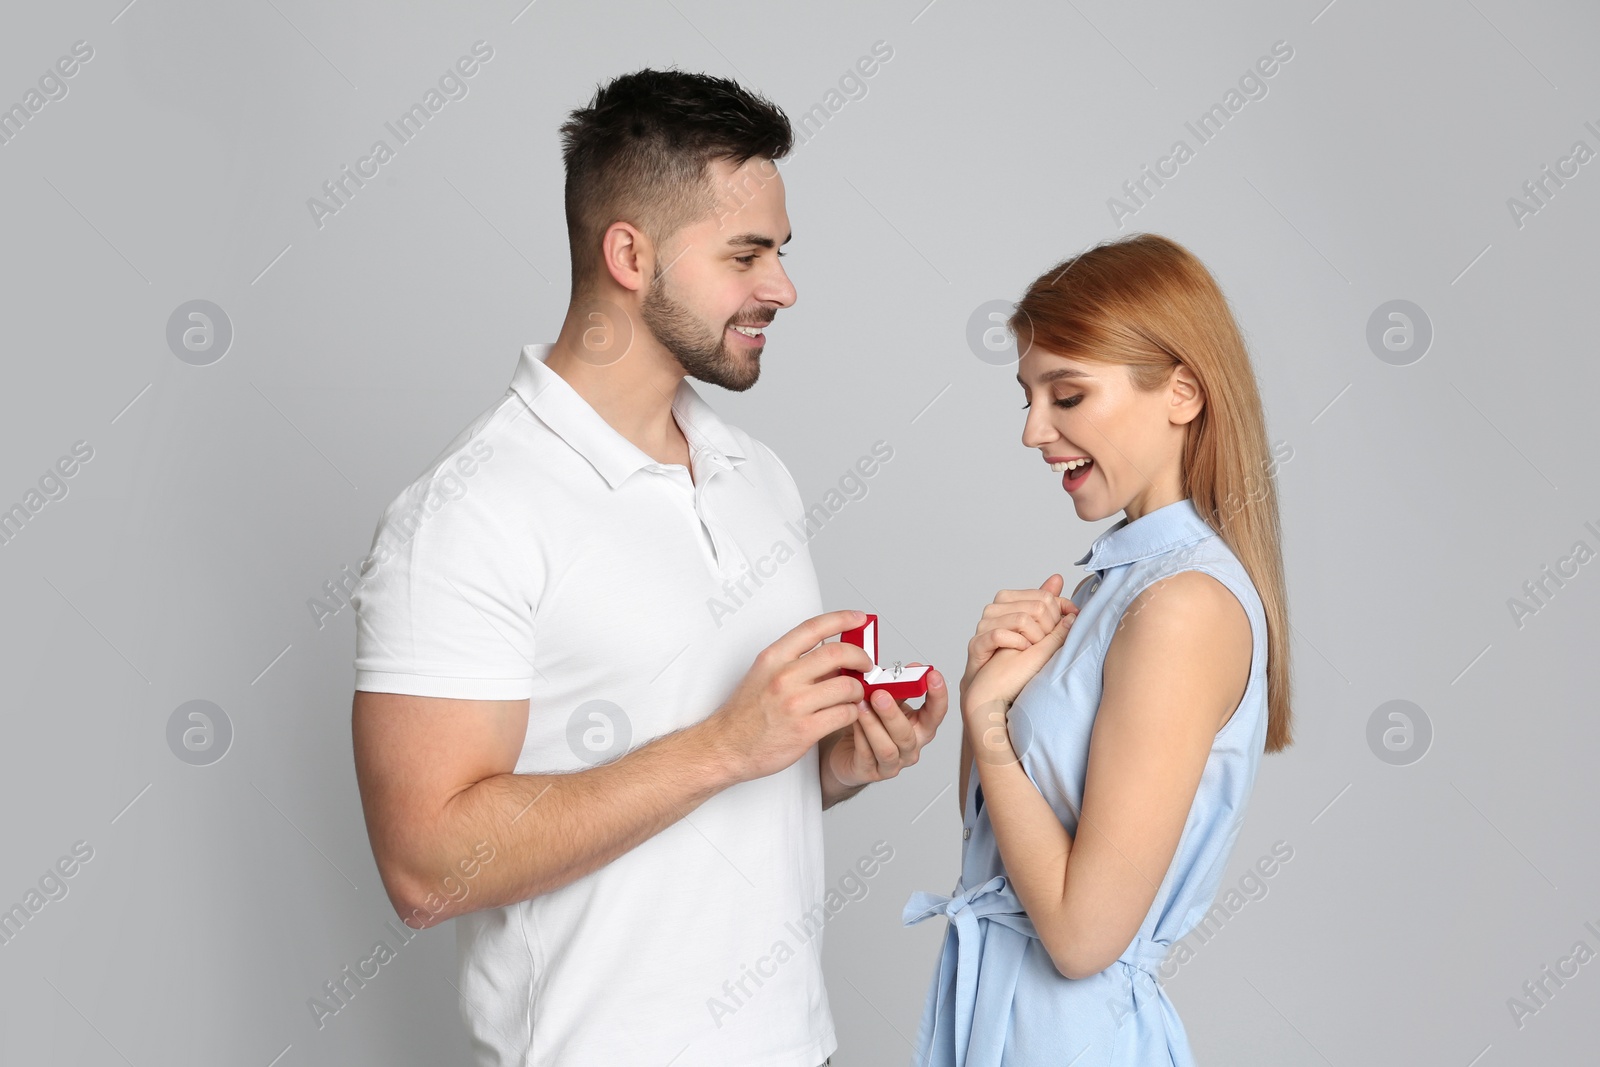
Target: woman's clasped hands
x=1018 y=634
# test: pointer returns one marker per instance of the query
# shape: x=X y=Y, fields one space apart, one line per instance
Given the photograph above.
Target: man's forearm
x=547 y=830
x=833 y=791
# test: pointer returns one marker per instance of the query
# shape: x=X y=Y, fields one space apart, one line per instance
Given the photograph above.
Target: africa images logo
x=342 y=188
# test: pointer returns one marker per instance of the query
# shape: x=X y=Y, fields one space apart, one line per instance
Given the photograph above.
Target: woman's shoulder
x=1210 y=556
x=1203 y=579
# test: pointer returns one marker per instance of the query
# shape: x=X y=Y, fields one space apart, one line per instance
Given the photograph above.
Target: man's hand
x=792 y=697
x=888 y=735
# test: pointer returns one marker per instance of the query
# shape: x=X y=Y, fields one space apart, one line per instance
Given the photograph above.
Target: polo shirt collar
x=1162 y=530
x=550 y=397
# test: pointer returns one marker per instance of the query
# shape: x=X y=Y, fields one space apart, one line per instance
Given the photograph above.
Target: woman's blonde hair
x=1146 y=302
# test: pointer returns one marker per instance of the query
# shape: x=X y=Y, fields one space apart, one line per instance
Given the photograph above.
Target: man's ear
x=628 y=255
x=1188 y=396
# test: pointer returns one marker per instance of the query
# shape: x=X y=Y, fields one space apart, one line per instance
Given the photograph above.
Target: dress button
x=967 y=833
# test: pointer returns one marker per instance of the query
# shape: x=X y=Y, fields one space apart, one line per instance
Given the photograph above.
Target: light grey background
x=220 y=498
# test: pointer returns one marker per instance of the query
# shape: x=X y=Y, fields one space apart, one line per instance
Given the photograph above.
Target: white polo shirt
x=543 y=555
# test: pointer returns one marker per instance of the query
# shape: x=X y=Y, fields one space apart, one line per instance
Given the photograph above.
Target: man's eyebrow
x=1060 y=372
x=759 y=239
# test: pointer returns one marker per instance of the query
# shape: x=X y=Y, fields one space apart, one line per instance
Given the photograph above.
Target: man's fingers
x=840 y=689
x=833 y=718
x=883 y=745
x=934 y=706
x=811 y=633
x=892 y=713
x=925 y=720
x=833 y=656
x=859 y=736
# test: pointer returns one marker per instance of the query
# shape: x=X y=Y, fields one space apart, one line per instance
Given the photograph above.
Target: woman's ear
x=1188 y=397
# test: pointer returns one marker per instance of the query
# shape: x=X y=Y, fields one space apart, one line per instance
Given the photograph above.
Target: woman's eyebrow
x=1059 y=372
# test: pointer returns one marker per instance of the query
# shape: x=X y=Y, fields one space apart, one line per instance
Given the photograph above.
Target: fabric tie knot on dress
x=1000 y=941
x=994 y=900
x=1146 y=955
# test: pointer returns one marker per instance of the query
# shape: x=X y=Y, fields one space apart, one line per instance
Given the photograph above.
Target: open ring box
x=899 y=681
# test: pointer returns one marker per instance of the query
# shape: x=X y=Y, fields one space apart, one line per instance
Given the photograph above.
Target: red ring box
x=911 y=682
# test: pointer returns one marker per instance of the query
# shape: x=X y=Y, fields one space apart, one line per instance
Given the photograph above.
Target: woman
x=1110 y=741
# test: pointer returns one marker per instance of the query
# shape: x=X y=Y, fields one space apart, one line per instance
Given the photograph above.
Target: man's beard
x=704 y=355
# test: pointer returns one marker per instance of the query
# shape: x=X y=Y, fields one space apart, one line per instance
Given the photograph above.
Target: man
x=564 y=737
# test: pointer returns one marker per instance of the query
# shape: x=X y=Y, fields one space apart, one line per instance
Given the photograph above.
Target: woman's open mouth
x=1074 y=472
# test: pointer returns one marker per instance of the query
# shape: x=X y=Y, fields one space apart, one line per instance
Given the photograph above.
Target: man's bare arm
x=439 y=790
x=436 y=781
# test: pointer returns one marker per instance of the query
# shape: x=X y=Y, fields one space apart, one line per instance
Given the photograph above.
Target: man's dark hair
x=639 y=153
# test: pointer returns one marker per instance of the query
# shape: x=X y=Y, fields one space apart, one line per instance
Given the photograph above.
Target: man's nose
x=779 y=289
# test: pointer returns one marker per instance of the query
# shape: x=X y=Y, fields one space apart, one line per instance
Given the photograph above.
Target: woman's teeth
x=1070 y=465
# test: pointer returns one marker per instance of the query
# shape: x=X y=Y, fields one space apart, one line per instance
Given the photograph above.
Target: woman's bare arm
x=1175 y=670
x=965 y=771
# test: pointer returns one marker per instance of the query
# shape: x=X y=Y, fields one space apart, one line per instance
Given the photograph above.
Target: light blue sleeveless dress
x=996 y=999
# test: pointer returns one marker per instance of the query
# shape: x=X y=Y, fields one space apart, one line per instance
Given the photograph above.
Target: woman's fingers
x=1024 y=594
x=1045 y=608
x=1018 y=619
x=986 y=644
x=981 y=649
x=1032 y=624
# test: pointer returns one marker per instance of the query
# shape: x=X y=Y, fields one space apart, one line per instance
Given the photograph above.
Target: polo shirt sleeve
x=445 y=608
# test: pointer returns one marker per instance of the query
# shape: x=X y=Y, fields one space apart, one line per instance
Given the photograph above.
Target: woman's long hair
x=1145 y=301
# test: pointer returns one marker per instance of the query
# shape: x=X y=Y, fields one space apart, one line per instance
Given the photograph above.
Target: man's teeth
x=750 y=331
x=1070 y=465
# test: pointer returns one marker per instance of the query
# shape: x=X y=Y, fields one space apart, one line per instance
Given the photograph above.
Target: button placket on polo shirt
x=723 y=553
x=727 y=554
x=679 y=476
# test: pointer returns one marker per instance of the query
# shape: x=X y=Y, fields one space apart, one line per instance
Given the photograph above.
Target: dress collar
x=1170 y=526
x=558 y=405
